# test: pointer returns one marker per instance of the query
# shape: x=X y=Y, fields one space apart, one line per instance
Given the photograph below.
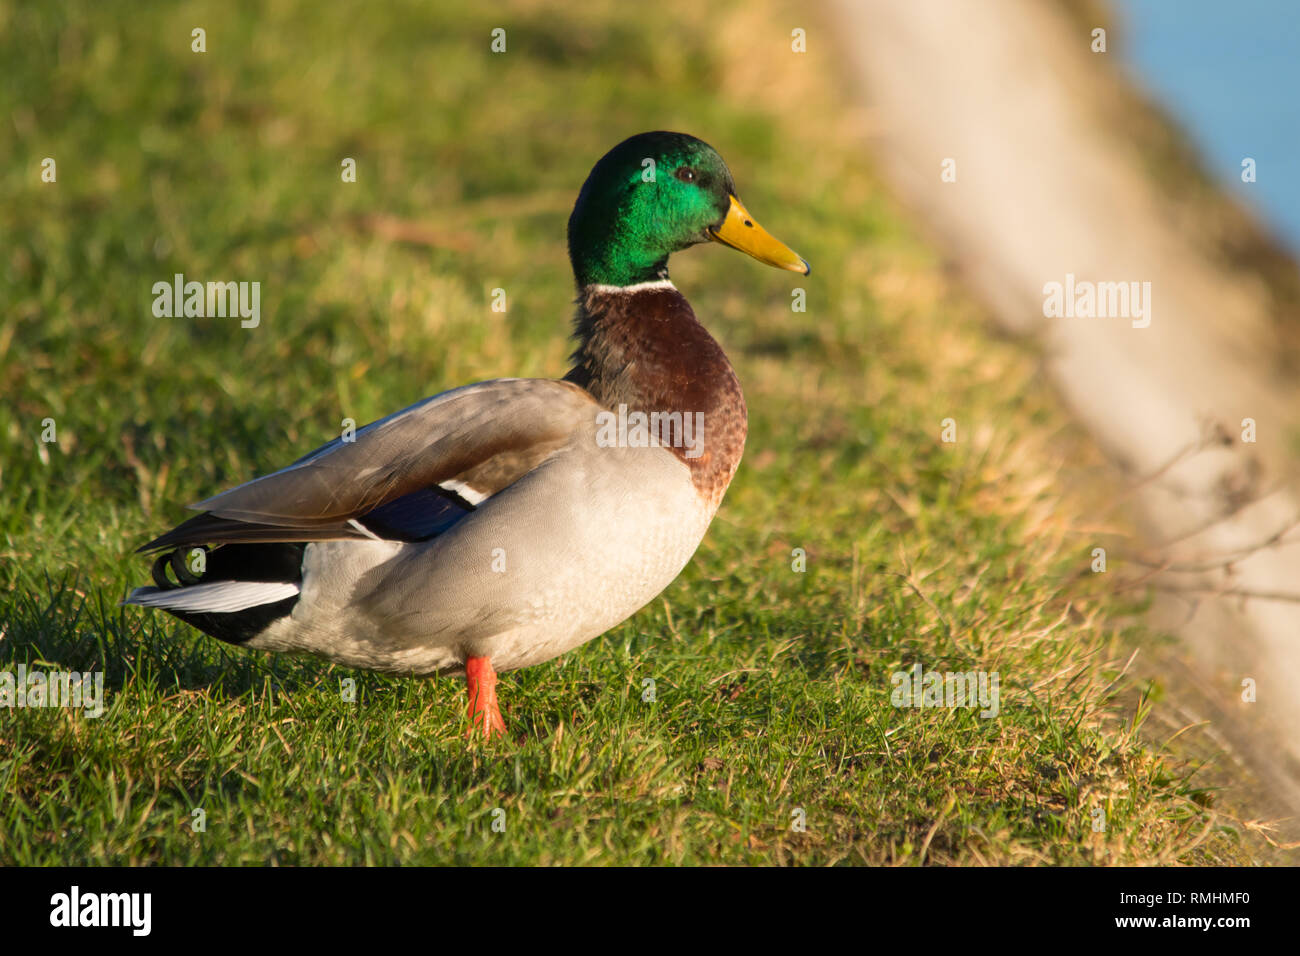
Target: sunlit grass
x=771 y=686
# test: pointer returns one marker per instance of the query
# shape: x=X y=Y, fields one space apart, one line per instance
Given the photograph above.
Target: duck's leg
x=481 y=682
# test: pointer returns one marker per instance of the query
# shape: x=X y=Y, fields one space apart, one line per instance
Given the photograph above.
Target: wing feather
x=483 y=437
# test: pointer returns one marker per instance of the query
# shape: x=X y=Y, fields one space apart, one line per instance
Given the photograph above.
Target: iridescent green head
x=655 y=194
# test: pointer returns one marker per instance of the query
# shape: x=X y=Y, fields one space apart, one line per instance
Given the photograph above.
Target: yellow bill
x=741 y=231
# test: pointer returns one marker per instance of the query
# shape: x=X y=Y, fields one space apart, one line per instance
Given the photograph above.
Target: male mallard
x=498 y=525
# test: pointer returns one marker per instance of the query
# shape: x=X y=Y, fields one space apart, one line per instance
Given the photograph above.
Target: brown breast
x=645 y=352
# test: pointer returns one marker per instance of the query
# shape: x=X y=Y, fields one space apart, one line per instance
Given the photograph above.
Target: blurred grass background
x=772 y=686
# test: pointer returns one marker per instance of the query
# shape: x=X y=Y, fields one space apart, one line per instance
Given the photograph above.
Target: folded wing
x=404 y=477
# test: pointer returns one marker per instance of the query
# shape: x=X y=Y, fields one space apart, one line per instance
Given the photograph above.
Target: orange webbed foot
x=484 y=715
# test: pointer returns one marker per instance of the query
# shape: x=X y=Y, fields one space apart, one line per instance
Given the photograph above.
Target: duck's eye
x=685 y=174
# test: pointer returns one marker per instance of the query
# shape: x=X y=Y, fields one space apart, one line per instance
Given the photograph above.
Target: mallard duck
x=498 y=525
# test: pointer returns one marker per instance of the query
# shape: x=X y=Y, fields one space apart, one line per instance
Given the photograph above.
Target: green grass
x=772 y=687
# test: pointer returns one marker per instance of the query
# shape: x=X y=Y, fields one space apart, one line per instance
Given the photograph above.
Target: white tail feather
x=218 y=597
